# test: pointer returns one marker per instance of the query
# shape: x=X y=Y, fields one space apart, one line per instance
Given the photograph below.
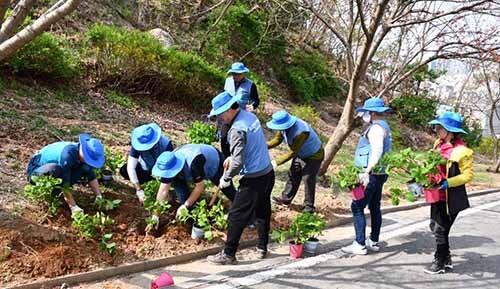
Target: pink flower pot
x=296 y=250
x=431 y=195
x=164 y=280
x=358 y=193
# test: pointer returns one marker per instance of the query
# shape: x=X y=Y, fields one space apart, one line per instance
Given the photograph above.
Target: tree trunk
x=11 y=45
x=4 y=5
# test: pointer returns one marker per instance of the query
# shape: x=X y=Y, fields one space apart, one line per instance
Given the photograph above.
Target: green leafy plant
x=304 y=227
x=218 y=216
x=114 y=160
x=47 y=190
x=201 y=133
x=348 y=176
x=416 y=111
x=395 y=195
x=200 y=215
x=107 y=205
x=151 y=204
x=90 y=226
x=107 y=246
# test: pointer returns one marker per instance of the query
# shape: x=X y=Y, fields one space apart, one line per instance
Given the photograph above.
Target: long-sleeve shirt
x=294 y=148
x=376 y=136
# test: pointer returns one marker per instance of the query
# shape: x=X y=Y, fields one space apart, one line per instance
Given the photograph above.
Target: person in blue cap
x=248 y=97
x=189 y=163
x=374 y=142
x=147 y=143
x=451 y=180
x=250 y=159
x=71 y=162
x=306 y=153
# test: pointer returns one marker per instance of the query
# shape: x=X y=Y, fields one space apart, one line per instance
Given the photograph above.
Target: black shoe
x=448 y=265
x=308 y=210
x=436 y=267
x=222 y=259
x=280 y=201
x=261 y=253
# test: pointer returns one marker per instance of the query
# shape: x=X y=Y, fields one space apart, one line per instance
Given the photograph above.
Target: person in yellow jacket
x=452 y=179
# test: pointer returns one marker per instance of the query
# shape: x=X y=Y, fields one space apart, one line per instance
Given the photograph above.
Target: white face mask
x=367 y=117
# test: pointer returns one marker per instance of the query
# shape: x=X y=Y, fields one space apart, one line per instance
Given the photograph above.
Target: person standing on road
x=306 y=153
x=250 y=159
x=375 y=141
x=451 y=180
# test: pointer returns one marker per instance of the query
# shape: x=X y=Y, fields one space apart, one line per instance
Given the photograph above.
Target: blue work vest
x=363 y=150
x=256 y=154
x=212 y=160
x=52 y=153
x=243 y=91
x=147 y=159
x=312 y=143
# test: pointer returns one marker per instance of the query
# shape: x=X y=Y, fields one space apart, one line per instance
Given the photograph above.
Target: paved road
x=475 y=242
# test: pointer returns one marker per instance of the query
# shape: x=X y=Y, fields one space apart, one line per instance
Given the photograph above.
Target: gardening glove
x=150 y=227
x=275 y=165
x=98 y=197
x=140 y=196
x=75 y=210
x=223 y=183
x=444 y=185
x=364 y=178
x=180 y=209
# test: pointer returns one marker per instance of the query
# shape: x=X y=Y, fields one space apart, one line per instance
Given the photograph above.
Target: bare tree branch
x=15 y=19
x=4 y=6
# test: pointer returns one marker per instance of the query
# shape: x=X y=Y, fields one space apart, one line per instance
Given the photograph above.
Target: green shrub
x=309 y=77
x=474 y=132
x=136 y=61
x=120 y=99
x=201 y=133
x=47 y=56
x=486 y=146
x=416 y=111
x=306 y=113
x=47 y=190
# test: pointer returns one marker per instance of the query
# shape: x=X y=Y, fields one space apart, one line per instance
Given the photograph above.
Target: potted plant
x=348 y=179
x=315 y=226
x=201 y=222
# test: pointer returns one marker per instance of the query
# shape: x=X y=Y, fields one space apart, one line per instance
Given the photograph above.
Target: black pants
x=308 y=170
x=142 y=175
x=253 y=196
x=440 y=226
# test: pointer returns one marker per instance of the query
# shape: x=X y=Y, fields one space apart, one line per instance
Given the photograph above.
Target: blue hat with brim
x=145 y=136
x=374 y=104
x=238 y=67
x=169 y=164
x=450 y=121
x=92 y=151
x=281 y=120
x=222 y=102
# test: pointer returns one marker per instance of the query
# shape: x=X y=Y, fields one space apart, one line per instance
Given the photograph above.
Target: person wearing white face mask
x=375 y=141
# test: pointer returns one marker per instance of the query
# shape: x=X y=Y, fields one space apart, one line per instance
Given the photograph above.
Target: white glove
x=75 y=210
x=249 y=107
x=150 y=227
x=98 y=197
x=180 y=209
x=275 y=165
x=223 y=183
x=140 y=196
x=364 y=178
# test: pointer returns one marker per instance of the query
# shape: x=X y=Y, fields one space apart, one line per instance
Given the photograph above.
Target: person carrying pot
x=71 y=162
x=147 y=143
x=451 y=181
x=238 y=85
x=250 y=159
x=374 y=142
x=190 y=163
x=306 y=153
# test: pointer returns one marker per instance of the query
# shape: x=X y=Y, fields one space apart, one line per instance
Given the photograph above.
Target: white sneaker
x=75 y=210
x=355 y=248
x=371 y=245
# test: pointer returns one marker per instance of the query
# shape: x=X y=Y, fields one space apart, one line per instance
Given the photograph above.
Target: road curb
x=136 y=267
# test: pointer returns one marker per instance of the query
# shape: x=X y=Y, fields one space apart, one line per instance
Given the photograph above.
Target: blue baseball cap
x=169 y=164
x=145 y=136
x=238 y=67
x=450 y=121
x=375 y=104
x=281 y=120
x=222 y=102
x=92 y=151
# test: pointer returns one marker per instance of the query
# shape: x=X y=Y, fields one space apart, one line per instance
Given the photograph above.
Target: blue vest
x=312 y=143
x=243 y=91
x=52 y=153
x=256 y=154
x=363 y=150
x=147 y=159
x=212 y=161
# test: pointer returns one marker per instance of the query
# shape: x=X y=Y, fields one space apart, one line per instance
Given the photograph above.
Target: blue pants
x=373 y=195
